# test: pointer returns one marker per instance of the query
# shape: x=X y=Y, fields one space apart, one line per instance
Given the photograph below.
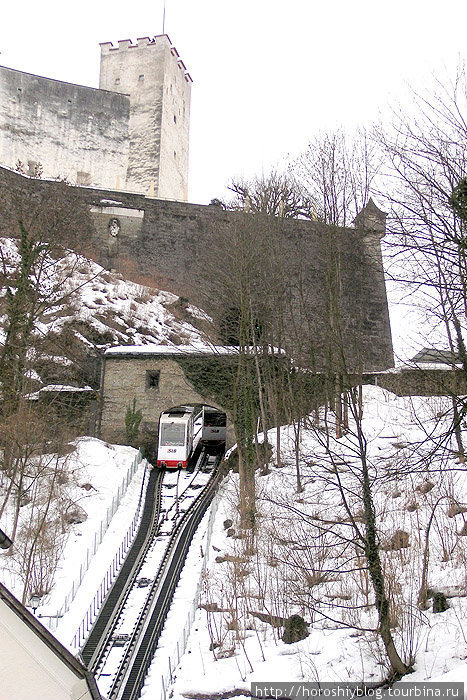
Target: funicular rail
x=102 y=629
x=129 y=678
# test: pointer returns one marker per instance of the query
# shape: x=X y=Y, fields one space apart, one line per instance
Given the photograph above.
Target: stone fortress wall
x=131 y=134
x=73 y=132
x=166 y=242
x=125 y=378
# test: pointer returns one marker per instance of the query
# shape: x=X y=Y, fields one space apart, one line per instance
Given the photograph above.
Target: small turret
x=371 y=219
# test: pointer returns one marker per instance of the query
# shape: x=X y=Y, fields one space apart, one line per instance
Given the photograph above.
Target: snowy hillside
x=305 y=561
x=85 y=496
x=86 y=309
x=308 y=555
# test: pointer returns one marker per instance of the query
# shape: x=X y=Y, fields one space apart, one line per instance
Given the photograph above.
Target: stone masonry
x=165 y=244
x=73 y=132
x=154 y=379
x=153 y=75
x=130 y=134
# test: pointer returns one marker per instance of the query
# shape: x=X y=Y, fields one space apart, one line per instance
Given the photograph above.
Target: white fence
x=174 y=658
x=110 y=575
x=98 y=537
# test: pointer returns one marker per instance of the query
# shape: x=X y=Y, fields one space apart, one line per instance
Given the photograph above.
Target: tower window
x=175 y=119
x=117 y=81
x=175 y=154
x=152 y=378
x=141 y=78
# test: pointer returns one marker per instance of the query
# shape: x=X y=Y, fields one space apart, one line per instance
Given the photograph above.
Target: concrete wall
x=154 y=77
x=75 y=132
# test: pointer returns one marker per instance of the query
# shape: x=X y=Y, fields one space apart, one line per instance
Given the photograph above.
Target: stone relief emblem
x=114 y=227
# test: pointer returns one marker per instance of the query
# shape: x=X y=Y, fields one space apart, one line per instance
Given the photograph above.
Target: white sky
x=267 y=73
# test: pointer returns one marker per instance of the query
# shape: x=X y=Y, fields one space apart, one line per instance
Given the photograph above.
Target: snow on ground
x=182 y=612
x=175 y=482
x=230 y=648
x=111 y=304
x=96 y=472
x=118 y=526
x=101 y=308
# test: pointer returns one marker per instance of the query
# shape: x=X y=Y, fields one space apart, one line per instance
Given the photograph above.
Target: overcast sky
x=267 y=73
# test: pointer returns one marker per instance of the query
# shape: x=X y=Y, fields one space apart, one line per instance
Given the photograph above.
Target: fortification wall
x=418 y=381
x=74 y=132
x=175 y=127
x=132 y=133
x=167 y=243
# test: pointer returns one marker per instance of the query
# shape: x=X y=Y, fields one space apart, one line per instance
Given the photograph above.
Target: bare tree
x=248 y=293
x=337 y=170
x=37 y=272
x=275 y=193
x=426 y=164
x=342 y=537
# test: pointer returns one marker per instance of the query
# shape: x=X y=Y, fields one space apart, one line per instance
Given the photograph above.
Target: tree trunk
x=398 y=667
x=278 y=443
x=422 y=595
x=338 y=406
x=296 y=427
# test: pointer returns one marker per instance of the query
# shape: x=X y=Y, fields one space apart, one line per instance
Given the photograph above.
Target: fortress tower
x=153 y=75
x=130 y=134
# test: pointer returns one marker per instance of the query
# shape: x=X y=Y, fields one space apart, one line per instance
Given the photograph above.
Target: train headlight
x=180 y=464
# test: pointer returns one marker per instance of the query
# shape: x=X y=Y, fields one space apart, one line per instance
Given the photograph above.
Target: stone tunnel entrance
x=158 y=377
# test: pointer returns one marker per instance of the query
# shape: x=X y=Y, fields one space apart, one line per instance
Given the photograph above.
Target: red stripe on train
x=172 y=463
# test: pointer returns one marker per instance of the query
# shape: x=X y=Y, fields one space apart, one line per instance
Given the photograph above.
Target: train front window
x=172 y=435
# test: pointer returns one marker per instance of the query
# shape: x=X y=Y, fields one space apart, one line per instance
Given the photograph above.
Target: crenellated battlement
x=125 y=44
x=142 y=43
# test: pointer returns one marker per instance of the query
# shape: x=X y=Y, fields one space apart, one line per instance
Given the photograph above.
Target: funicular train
x=214 y=431
x=183 y=428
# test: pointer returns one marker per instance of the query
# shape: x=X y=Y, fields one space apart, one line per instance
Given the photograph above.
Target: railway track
x=123 y=639
x=102 y=629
